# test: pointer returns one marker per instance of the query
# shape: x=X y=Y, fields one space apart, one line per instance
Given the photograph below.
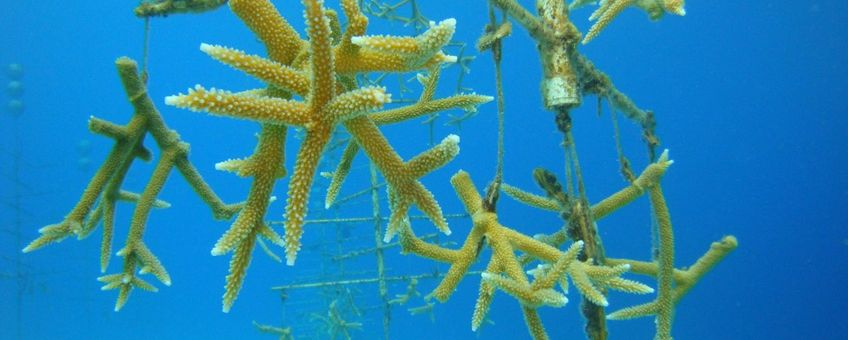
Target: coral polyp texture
x=609 y=9
x=312 y=83
x=321 y=71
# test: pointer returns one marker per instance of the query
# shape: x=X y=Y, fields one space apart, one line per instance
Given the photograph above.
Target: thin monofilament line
x=378 y=243
x=622 y=159
x=497 y=54
x=16 y=177
x=569 y=179
x=578 y=174
x=145 y=51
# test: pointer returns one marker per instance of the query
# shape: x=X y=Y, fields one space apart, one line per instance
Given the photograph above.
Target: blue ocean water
x=750 y=99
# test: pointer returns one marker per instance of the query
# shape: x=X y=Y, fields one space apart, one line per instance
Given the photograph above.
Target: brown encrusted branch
x=531 y=23
x=647 y=179
x=556 y=39
x=164 y=8
x=596 y=82
x=283 y=333
x=567 y=74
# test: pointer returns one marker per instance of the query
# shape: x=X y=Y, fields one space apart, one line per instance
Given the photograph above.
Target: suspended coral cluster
x=321 y=71
x=312 y=84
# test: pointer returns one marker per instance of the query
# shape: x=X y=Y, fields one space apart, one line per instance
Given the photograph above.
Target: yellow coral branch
x=268 y=71
x=243 y=106
x=610 y=9
x=322 y=66
x=279 y=37
x=298 y=192
x=684 y=280
x=504 y=242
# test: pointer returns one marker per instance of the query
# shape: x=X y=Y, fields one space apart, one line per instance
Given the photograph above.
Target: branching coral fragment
x=283 y=333
x=411 y=292
x=425 y=105
x=104 y=189
x=672 y=283
x=319 y=70
x=335 y=324
x=684 y=280
x=271 y=72
x=243 y=106
x=609 y=9
x=528 y=297
x=505 y=242
x=312 y=84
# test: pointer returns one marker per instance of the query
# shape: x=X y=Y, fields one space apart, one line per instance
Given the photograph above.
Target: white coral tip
x=382 y=97
x=452 y=138
x=172 y=100
x=664 y=157
x=449 y=22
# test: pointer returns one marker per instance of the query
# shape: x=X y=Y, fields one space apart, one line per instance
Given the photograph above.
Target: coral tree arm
x=505 y=242
x=327 y=104
x=106 y=183
x=610 y=9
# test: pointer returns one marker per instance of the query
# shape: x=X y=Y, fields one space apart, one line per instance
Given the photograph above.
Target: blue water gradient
x=751 y=99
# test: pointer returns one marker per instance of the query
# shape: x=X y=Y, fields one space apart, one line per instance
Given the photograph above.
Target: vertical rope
x=378 y=244
x=431 y=126
x=623 y=162
x=145 y=51
x=16 y=173
x=569 y=179
x=497 y=55
x=575 y=162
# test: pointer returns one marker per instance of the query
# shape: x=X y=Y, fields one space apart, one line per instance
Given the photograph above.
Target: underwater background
x=751 y=99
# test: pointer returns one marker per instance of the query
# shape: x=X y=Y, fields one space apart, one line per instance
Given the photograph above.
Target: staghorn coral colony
x=314 y=84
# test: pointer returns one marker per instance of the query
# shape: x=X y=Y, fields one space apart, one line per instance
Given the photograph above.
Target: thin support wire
x=378 y=244
x=321 y=284
x=145 y=51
